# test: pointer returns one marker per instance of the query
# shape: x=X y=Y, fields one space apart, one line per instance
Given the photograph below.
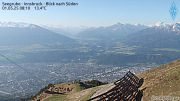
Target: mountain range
x=128 y=41
x=161 y=36
x=27 y=34
x=66 y=31
x=116 y=31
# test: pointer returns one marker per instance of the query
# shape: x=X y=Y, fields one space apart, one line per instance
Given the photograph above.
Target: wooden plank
x=133 y=79
x=134 y=76
x=125 y=89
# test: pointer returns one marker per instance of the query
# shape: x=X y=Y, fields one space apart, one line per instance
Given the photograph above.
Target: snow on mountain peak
x=13 y=24
x=160 y=24
x=137 y=24
x=167 y=26
x=175 y=27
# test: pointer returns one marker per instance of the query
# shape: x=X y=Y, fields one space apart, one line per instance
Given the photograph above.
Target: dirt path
x=104 y=89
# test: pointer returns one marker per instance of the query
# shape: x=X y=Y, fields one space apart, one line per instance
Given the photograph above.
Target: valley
x=31 y=62
x=23 y=83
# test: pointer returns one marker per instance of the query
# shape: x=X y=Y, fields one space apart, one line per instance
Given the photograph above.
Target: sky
x=93 y=13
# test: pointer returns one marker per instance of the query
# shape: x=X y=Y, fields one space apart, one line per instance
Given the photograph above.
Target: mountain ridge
x=26 y=34
x=156 y=37
x=115 y=31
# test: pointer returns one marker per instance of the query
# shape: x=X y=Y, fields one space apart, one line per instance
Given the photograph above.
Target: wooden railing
x=126 y=89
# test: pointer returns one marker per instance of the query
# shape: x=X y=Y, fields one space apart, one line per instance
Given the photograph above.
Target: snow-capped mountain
x=127 y=26
x=26 y=34
x=174 y=27
x=166 y=26
x=161 y=35
x=161 y=24
x=19 y=24
x=115 y=31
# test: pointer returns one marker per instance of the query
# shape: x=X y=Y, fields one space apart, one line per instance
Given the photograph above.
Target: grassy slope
x=79 y=95
x=56 y=97
x=161 y=81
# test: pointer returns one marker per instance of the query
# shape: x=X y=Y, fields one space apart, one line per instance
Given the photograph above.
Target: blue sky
x=94 y=13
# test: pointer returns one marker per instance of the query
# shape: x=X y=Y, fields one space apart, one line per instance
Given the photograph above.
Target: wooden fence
x=126 y=89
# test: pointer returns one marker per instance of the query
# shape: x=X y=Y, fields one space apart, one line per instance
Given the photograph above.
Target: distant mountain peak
x=119 y=23
x=19 y=25
x=28 y=34
x=167 y=26
x=115 y=31
x=174 y=27
x=160 y=24
x=128 y=24
x=137 y=24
